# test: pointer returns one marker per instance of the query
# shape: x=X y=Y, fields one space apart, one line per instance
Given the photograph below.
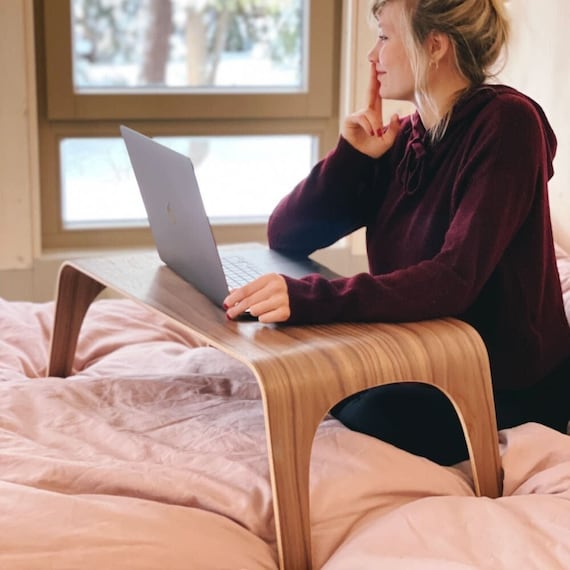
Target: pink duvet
x=152 y=456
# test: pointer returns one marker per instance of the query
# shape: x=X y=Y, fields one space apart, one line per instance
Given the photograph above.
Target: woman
x=454 y=199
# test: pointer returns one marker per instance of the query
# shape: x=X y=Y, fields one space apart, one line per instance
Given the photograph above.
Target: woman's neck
x=445 y=86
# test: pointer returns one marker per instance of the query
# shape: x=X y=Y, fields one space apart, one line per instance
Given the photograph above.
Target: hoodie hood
x=476 y=98
x=413 y=165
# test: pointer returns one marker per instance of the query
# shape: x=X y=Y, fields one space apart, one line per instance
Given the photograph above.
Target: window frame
x=63 y=113
x=63 y=103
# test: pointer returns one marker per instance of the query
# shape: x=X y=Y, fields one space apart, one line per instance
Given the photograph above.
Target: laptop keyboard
x=238 y=270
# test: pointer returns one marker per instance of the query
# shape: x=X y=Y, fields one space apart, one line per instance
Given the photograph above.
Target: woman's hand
x=364 y=129
x=266 y=298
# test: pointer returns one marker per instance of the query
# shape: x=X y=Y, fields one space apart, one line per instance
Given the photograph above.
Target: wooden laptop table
x=302 y=372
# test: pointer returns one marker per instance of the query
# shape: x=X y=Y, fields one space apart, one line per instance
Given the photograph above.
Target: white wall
x=539 y=66
x=19 y=212
x=18 y=136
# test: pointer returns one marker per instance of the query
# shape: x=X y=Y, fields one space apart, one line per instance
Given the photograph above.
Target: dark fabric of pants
x=420 y=419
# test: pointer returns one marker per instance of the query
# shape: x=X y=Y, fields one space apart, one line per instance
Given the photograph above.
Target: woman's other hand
x=364 y=129
x=266 y=298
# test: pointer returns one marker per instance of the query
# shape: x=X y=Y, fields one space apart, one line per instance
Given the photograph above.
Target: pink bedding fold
x=153 y=455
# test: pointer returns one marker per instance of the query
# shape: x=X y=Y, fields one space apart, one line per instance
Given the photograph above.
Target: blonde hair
x=479 y=32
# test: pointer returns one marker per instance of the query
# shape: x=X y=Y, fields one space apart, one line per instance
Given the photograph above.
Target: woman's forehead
x=386 y=15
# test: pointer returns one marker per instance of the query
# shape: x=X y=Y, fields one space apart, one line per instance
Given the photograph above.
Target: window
x=247 y=88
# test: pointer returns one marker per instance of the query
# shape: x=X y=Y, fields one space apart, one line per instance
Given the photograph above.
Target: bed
x=152 y=455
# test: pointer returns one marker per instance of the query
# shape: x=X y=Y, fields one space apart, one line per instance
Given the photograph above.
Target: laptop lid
x=176 y=214
x=181 y=228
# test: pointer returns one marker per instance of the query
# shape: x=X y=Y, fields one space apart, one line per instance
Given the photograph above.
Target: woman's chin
x=394 y=94
x=386 y=92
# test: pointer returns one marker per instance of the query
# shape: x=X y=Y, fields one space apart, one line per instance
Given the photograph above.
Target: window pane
x=189 y=44
x=241 y=178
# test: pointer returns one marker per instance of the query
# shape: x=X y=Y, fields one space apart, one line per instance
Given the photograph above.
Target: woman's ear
x=438 y=45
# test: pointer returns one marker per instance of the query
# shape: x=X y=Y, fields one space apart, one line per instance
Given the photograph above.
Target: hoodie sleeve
x=503 y=199
x=333 y=201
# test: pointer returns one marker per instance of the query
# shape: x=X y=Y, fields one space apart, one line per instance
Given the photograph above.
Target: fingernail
x=380 y=132
x=228 y=317
x=225 y=307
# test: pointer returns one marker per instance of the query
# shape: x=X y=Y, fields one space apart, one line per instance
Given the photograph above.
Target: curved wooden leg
x=289 y=450
x=481 y=437
x=75 y=293
x=289 y=447
x=299 y=386
x=467 y=383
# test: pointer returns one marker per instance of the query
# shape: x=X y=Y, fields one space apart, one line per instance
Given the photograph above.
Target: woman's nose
x=373 y=53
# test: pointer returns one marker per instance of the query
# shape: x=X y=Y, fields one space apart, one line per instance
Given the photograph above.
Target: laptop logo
x=171 y=214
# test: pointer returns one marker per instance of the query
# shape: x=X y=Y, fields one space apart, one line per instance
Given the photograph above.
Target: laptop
x=182 y=231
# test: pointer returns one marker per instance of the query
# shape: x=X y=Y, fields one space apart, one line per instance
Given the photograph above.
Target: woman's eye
x=382 y=37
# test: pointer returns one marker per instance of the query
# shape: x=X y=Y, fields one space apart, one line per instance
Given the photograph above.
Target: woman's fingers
x=279 y=315
x=374 y=108
x=392 y=130
x=374 y=99
x=273 y=310
x=365 y=133
x=363 y=129
x=363 y=122
x=266 y=298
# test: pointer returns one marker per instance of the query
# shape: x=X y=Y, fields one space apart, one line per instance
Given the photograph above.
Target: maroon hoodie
x=458 y=228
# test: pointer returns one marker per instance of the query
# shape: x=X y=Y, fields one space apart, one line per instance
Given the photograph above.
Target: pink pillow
x=563 y=260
